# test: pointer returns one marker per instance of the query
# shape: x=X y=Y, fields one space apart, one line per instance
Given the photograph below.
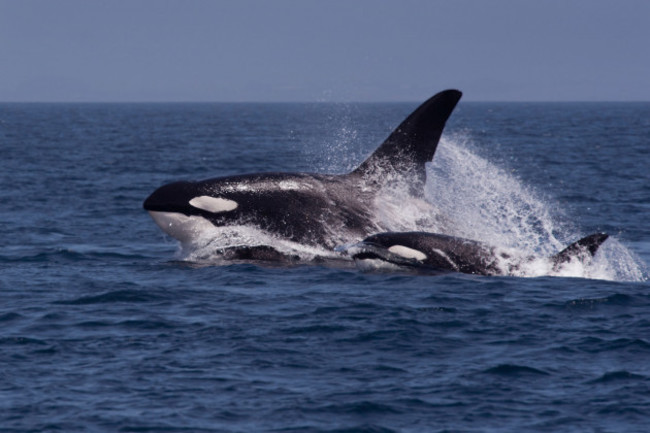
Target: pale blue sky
x=329 y=50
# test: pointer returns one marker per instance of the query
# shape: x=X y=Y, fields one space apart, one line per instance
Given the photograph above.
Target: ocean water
x=107 y=326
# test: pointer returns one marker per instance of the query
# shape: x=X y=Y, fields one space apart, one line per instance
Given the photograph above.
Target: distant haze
x=334 y=50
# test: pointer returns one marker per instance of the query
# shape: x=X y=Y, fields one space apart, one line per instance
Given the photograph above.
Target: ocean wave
x=618 y=376
x=513 y=370
x=127 y=296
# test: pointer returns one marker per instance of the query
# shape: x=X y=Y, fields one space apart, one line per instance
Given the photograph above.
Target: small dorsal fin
x=585 y=247
x=412 y=143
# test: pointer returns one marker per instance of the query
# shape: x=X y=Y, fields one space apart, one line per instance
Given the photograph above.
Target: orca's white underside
x=182 y=227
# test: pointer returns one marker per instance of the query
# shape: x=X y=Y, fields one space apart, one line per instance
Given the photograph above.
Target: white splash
x=206 y=247
x=467 y=196
x=484 y=202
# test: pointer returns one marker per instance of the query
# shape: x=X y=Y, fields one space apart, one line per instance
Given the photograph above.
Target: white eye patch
x=407 y=253
x=213 y=204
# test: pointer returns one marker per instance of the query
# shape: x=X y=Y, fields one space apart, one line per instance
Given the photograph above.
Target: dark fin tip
x=413 y=143
x=589 y=244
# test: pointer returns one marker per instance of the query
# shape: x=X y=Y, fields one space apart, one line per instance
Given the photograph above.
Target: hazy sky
x=327 y=50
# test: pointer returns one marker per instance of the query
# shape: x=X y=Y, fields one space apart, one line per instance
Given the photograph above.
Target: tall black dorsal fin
x=412 y=143
x=583 y=249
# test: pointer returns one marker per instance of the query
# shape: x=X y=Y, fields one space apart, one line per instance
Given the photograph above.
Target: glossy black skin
x=450 y=253
x=322 y=210
x=459 y=255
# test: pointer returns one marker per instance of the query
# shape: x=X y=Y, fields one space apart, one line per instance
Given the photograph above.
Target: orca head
x=184 y=209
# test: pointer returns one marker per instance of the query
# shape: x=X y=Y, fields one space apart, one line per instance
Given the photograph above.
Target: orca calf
x=313 y=209
x=436 y=252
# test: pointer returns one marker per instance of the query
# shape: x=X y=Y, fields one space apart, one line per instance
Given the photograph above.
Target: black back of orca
x=314 y=209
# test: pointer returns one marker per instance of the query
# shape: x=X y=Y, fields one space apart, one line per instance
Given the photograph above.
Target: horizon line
x=531 y=101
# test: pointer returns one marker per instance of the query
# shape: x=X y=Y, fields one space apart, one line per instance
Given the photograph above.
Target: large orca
x=437 y=252
x=320 y=210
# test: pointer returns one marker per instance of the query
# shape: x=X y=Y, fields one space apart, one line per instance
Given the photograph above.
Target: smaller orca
x=438 y=252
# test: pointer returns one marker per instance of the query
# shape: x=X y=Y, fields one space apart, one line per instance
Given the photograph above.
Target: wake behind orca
x=319 y=210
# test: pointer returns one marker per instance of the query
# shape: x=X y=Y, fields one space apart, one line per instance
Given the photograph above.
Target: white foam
x=487 y=203
x=206 y=247
x=614 y=261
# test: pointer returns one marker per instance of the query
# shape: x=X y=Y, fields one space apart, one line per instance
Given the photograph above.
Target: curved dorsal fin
x=412 y=143
x=583 y=249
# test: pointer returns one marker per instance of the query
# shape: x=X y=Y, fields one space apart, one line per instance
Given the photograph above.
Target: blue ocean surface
x=108 y=326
